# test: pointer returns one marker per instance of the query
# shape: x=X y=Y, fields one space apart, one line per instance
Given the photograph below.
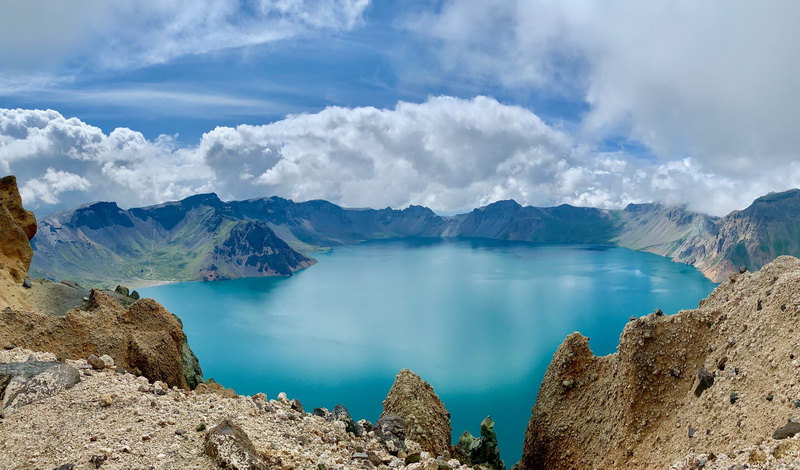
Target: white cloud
x=446 y=153
x=40 y=34
x=47 y=188
x=715 y=80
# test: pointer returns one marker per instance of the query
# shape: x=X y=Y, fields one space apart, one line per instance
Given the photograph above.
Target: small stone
x=106 y=401
x=146 y=437
x=95 y=362
x=9 y=346
x=796 y=403
x=86 y=299
x=97 y=460
x=66 y=466
x=705 y=380
x=413 y=457
x=659 y=312
x=108 y=361
x=360 y=456
x=722 y=362
x=296 y=405
x=568 y=383
x=692 y=431
x=787 y=430
x=742 y=269
x=675 y=372
x=734 y=397
x=161 y=456
x=120 y=370
x=180 y=431
x=323 y=413
x=632 y=318
x=27 y=283
x=770 y=397
x=283 y=398
x=200 y=427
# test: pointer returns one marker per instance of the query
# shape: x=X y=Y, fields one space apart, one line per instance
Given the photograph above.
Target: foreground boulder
x=22 y=383
x=426 y=419
x=480 y=452
x=143 y=337
x=646 y=406
x=230 y=447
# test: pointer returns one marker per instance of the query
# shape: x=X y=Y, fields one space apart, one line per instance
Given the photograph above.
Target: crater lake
x=478 y=319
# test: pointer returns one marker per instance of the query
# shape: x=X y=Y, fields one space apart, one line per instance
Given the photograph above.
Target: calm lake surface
x=478 y=319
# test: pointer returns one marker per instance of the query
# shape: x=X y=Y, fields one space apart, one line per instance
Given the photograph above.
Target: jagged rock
x=230 y=447
x=144 y=336
x=391 y=430
x=135 y=295
x=22 y=383
x=323 y=413
x=17 y=227
x=296 y=405
x=427 y=421
x=632 y=412
x=340 y=413
x=122 y=290
x=480 y=452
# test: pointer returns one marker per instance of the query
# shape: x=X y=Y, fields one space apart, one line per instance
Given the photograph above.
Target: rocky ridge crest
x=709 y=381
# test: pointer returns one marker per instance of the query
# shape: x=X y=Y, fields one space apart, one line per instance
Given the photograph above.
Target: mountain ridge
x=281 y=233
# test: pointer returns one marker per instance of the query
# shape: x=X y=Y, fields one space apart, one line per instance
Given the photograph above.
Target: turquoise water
x=478 y=319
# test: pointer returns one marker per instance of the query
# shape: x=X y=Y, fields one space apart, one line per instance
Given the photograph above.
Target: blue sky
x=450 y=104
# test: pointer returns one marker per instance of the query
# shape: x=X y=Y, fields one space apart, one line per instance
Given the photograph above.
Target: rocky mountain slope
x=111 y=420
x=716 y=385
x=197 y=238
x=202 y=237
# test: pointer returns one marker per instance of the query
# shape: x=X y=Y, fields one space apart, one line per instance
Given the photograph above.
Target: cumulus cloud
x=114 y=35
x=446 y=153
x=714 y=81
x=47 y=188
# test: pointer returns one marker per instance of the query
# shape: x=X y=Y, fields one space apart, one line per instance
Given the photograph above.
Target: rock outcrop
x=17 y=227
x=640 y=407
x=426 y=419
x=22 y=383
x=144 y=336
x=139 y=335
x=118 y=420
x=480 y=452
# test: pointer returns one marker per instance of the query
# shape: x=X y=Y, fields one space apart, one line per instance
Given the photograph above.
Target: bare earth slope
x=641 y=407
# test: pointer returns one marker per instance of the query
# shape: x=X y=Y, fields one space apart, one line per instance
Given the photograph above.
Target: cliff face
x=711 y=380
x=202 y=237
x=142 y=336
x=197 y=238
x=17 y=227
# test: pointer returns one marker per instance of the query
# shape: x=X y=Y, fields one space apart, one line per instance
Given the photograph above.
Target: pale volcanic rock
x=427 y=421
x=632 y=410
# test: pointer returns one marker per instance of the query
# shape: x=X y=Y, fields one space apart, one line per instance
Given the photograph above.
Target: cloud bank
x=447 y=153
x=715 y=81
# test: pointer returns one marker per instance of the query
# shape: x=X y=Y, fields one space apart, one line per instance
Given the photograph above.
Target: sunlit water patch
x=478 y=319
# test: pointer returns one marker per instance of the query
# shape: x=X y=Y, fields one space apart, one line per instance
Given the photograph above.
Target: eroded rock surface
x=640 y=407
x=426 y=419
x=22 y=383
x=143 y=337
